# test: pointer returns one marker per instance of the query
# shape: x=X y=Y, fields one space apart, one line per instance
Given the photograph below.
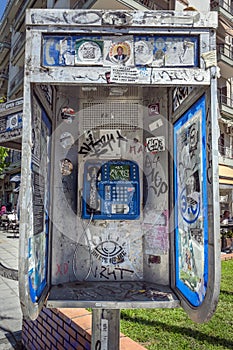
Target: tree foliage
x=3 y=161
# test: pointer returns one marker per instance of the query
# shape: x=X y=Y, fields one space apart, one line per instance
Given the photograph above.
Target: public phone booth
x=119 y=190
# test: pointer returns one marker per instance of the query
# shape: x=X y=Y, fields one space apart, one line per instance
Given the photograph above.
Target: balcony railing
x=21 y=10
x=4 y=74
x=225 y=50
x=4 y=45
x=226 y=151
x=150 y=4
x=19 y=44
x=224 y=100
x=222 y=3
x=225 y=4
x=17 y=79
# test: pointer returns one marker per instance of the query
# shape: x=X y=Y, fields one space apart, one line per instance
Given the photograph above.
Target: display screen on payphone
x=111 y=190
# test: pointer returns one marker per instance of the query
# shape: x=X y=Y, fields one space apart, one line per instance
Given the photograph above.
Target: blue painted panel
x=191 y=215
x=38 y=243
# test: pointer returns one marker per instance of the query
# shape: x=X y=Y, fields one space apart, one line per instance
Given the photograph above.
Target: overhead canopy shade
x=225 y=26
x=225 y=175
x=225 y=181
x=16 y=178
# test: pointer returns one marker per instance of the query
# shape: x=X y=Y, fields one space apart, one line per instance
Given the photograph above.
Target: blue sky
x=2 y=6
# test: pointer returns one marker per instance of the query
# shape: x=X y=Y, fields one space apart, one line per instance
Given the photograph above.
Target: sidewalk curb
x=9 y=273
x=226 y=256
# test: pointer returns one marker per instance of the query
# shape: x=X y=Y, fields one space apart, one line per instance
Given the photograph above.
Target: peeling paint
x=210 y=58
x=123 y=18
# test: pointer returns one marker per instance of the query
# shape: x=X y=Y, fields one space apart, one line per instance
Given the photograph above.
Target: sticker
x=156 y=240
x=155 y=144
x=179 y=53
x=66 y=56
x=66 y=167
x=66 y=140
x=153 y=109
x=155 y=125
x=159 y=54
x=154 y=259
x=89 y=52
x=104 y=334
x=108 y=77
x=143 y=52
x=120 y=52
x=121 y=74
x=67 y=113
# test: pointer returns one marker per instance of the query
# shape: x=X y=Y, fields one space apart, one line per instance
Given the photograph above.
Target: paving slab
x=10 y=311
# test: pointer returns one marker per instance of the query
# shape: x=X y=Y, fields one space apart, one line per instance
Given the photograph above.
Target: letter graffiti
x=100 y=146
x=179 y=95
x=190 y=209
x=157 y=184
x=190 y=197
x=62 y=269
x=173 y=76
x=107 y=272
x=137 y=147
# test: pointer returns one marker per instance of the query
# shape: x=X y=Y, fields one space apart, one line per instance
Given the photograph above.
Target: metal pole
x=105 y=329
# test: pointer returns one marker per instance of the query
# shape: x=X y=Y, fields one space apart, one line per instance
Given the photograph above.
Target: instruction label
x=124 y=74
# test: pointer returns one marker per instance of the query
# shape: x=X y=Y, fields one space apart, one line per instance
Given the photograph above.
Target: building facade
x=12 y=47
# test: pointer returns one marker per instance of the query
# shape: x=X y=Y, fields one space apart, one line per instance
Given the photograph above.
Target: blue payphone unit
x=111 y=190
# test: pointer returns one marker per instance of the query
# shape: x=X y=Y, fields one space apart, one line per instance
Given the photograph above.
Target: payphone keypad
x=122 y=193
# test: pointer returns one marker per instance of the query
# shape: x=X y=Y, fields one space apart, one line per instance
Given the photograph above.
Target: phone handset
x=93 y=201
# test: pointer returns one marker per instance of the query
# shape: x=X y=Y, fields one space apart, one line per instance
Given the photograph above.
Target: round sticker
x=67 y=114
x=120 y=52
x=89 y=51
x=66 y=140
x=66 y=167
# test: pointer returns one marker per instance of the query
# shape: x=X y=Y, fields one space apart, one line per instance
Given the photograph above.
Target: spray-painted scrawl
x=99 y=146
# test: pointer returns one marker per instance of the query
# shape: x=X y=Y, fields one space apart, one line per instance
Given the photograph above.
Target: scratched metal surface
x=121 y=18
x=112 y=294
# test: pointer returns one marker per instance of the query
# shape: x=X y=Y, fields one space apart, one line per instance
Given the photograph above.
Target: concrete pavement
x=10 y=311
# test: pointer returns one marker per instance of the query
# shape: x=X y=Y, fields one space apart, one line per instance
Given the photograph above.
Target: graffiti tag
x=102 y=145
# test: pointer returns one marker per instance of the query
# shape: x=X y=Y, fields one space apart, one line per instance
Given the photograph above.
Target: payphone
x=118 y=174
x=111 y=190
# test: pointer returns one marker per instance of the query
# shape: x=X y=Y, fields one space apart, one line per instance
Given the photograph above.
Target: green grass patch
x=173 y=330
